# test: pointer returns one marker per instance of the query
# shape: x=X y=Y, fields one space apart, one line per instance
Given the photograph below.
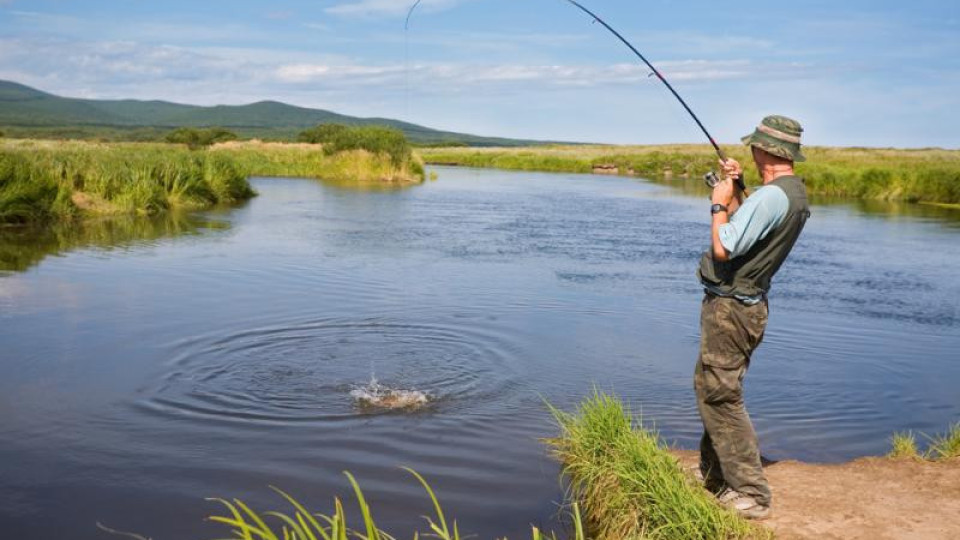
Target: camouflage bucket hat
x=779 y=136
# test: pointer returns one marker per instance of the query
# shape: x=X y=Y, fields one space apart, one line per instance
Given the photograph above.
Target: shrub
x=324 y=133
x=337 y=138
x=200 y=138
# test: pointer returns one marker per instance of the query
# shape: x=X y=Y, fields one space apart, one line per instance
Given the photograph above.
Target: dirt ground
x=870 y=498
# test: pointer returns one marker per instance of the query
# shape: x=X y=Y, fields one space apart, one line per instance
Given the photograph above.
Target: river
x=148 y=363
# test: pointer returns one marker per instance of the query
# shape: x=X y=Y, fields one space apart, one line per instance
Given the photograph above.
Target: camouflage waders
x=729 y=452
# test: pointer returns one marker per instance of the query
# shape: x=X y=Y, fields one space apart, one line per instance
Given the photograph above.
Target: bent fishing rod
x=711 y=177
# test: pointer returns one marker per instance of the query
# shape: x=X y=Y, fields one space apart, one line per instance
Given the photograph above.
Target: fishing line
x=406 y=58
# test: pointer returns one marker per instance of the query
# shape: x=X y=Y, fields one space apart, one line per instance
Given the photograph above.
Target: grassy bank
x=628 y=483
x=257 y=158
x=942 y=446
x=43 y=181
x=928 y=175
x=622 y=483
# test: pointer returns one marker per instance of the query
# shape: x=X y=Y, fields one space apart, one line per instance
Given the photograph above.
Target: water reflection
x=948 y=216
x=24 y=247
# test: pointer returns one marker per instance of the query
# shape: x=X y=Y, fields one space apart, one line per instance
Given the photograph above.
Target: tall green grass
x=629 y=485
x=40 y=182
x=357 y=166
x=245 y=523
x=946 y=445
x=942 y=446
x=903 y=446
x=337 y=138
x=927 y=175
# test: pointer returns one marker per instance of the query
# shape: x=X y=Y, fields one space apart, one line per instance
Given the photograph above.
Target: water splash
x=377 y=395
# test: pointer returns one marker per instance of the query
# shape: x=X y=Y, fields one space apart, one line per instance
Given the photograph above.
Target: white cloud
x=536 y=100
x=367 y=8
x=114 y=69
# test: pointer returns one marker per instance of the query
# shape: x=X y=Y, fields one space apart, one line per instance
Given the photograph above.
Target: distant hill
x=27 y=111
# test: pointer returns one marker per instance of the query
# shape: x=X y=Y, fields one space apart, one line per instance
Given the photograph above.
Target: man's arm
x=725 y=193
x=719 y=252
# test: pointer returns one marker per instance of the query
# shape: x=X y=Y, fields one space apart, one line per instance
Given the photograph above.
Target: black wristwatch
x=717 y=208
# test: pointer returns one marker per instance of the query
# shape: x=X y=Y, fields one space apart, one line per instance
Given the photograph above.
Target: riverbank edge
x=929 y=176
x=622 y=481
x=46 y=181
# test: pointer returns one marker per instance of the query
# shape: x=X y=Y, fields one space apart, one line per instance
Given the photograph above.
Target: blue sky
x=855 y=73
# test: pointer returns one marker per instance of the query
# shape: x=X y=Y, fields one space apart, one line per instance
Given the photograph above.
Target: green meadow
x=917 y=176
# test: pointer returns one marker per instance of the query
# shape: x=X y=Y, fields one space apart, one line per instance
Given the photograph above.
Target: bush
x=200 y=138
x=337 y=138
x=324 y=133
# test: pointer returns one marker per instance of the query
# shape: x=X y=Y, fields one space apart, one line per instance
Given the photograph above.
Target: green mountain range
x=28 y=112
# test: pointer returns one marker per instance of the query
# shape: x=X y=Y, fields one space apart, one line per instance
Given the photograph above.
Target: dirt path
x=870 y=498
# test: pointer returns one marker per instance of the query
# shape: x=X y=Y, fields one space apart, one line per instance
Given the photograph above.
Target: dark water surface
x=152 y=365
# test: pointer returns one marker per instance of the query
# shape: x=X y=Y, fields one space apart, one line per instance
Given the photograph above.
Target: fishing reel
x=711 y=179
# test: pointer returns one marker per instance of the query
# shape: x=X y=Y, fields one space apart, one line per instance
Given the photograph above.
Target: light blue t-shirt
x=760 y=214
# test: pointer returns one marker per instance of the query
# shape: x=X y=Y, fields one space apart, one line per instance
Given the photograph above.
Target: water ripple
x=305 y=372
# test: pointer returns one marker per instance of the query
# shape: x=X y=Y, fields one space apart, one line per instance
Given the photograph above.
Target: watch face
x=717 y=208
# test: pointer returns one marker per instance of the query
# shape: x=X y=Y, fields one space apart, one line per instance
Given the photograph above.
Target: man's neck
x=772 y=172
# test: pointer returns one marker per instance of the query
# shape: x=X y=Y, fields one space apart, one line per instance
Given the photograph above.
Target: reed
x=301 y=524
x=943 y=446
x=42 y=181
x=629 y=485
x=903 y=446
x=306 y=160
x=924 y=175
x=946 y=445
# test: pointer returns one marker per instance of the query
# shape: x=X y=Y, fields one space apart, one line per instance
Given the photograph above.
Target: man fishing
x=749 y=242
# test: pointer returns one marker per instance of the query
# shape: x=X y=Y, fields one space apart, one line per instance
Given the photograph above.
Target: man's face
x=758 y=156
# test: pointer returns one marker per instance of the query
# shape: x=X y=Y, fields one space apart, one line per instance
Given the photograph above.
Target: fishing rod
x=406 y=24
x=711 y=177
x=655 y=72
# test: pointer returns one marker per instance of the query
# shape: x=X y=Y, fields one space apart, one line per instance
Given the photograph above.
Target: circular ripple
x=305 y=372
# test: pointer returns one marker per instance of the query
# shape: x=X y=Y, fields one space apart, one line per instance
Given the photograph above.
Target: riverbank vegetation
x=622 y=481
x=43 y=181
x=337 y=138
x=248 y=524
x=941 y=446
x=629 y=485
x=924 y=175
x=200 y=138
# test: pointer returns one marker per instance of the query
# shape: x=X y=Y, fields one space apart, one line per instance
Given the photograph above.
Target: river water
x=147 y=364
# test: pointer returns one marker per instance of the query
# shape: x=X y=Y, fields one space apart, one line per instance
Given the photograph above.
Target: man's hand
x=723 y=192
x=731 y=168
